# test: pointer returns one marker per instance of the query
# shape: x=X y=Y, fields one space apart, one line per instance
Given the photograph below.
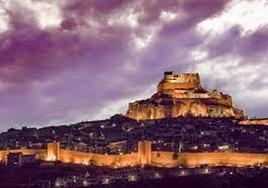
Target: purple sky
x=66 y=61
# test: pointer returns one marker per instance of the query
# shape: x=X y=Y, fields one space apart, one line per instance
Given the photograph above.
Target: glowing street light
x=57 y=184
x=132 y=178
x=157 y=175
x=85 y=183
x=106 y=180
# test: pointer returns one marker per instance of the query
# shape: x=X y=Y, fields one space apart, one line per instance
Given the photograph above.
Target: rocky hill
x=183 y=95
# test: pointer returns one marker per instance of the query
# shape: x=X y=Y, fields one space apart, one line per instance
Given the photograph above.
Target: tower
x=184 y=81
x=144 y=152
x=53 y=151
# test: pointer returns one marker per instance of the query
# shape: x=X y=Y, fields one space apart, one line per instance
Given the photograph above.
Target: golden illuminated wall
x=40 y=153
x=254 y=122
x=76 y=157
x=53 y=153
x=144 y=156
x=170 y=159
x=3 y=155
x=162 y=87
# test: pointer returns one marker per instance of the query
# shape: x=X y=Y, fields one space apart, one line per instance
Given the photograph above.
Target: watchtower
x=174 y=81
x=144 y=152
x=53 y=151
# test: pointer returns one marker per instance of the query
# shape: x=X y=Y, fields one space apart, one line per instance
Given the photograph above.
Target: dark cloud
x=71 y=72
x=201 y=9
x=254 y=44
x=233 y=42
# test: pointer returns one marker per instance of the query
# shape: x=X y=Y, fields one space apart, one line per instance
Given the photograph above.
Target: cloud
x=249 y=15
x=4 y=19
x=66 y=61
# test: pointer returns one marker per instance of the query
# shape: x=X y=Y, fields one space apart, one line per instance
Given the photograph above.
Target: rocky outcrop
x=175 y=98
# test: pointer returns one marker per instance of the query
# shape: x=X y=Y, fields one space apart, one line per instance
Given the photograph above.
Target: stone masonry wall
x=154 y=158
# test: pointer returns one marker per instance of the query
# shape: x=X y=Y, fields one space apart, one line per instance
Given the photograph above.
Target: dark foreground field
x=182 y=182
x=37 y=177
x=199 y=182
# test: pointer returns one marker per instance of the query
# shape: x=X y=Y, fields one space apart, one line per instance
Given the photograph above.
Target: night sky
x=64 y=61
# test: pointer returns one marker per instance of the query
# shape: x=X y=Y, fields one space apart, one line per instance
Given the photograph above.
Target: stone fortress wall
x=254 y=122
x=39 y=153
x=144 y=156
x=167 y=159
x=188 y=85
x=185 y=81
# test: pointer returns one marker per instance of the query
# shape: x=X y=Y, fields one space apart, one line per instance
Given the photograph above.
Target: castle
x=182 y=95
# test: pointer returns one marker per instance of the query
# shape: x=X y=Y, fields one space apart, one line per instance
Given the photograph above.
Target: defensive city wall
x=144 y=156
x=254 y=122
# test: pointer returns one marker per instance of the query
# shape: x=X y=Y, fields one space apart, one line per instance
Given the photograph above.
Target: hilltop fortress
x=182 y=95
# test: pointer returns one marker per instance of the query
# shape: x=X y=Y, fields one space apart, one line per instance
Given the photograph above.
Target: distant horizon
x=70 y=61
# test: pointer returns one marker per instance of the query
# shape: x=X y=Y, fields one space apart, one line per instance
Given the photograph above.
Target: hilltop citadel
x=182 y=95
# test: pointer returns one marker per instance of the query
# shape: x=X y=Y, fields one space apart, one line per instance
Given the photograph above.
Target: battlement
x=183 y=81
x=171 y=77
